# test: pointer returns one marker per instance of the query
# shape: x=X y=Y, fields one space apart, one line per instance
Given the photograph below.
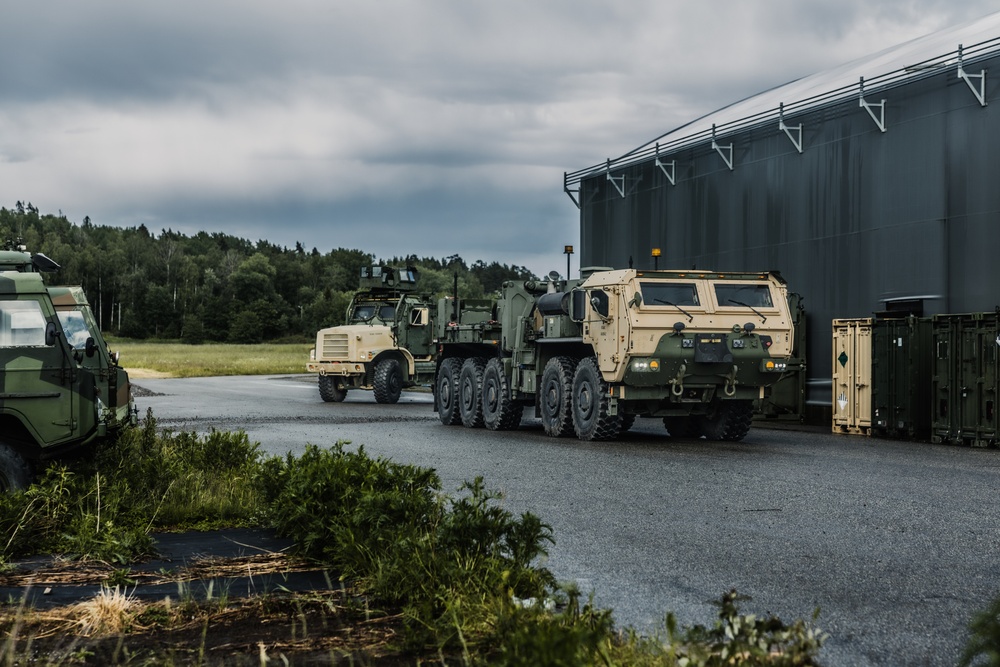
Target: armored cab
x=697 y=349
x=385 y=344
x=60 y=386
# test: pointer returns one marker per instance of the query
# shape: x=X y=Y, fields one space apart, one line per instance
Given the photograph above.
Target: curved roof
x=915 y=59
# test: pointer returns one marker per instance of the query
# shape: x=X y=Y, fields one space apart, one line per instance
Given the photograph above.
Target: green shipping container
x=901 y=378
x=964 y=393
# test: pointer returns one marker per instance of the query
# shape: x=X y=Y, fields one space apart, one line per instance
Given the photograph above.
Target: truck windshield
x=368 y=311
x=363 y=313
x=669 y=294
x=750 y=296
x=74 y=327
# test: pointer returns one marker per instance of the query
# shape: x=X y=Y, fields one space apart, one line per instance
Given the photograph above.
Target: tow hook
x=730 y=387
x=677 y=384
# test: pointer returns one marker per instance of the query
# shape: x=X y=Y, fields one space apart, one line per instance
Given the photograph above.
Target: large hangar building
x=871 y=187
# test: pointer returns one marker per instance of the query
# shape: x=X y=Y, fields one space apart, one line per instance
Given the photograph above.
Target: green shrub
x=573 y=636
x=983 y=647
x=449 y=562
x=746 y=639
x=104 y=506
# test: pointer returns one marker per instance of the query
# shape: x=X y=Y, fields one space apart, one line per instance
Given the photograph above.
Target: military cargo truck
x=60 y=386
x=697 y=349
x=386 y=343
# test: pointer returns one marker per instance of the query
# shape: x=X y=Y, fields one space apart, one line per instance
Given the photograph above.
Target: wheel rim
x=552 y=397
x=491 y=396
x=585 y=400
x=467 y=395
x=444 y=391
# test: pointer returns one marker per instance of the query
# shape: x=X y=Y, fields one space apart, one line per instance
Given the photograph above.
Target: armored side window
x=21 y=324
x=75 y=328
x=669 y=294
x=749 y=296
x=599 y=302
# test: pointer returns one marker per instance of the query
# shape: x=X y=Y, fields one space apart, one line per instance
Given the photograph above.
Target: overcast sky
x=390 y=126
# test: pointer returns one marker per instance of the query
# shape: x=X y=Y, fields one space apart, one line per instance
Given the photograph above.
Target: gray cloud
x=394 y=126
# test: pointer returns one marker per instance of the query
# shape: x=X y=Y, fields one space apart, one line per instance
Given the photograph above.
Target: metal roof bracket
x=797 y=142
x=617 y=181
x=569 y=192
x=962 y=74
x=722 y=150
x=880 y=119
x=672 y=174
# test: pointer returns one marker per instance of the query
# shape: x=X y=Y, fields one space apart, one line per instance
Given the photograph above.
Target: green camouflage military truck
x=386 y=344
x=697 y=349
x=60 y=387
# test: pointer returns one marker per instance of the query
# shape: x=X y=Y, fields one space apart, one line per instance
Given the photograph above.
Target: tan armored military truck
x=60 y=386
x=697 y=349
x=386 y=344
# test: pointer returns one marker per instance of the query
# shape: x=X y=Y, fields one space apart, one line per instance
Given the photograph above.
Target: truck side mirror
x=51 y=334
x=578 y=306
x=90 y=346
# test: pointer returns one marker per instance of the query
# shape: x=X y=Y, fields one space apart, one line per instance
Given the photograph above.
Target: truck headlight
x=771 y=366
x=645 y=365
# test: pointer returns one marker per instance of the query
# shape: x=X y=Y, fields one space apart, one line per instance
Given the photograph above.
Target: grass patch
x=173 y=359
x=105 y=506
x=425 y=576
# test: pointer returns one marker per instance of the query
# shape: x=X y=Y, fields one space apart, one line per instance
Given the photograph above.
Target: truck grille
x=335 y=346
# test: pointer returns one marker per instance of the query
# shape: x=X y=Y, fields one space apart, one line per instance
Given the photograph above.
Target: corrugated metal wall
x=858 y=219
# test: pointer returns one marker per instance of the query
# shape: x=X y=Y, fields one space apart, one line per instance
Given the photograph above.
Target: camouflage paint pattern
x=59 y=388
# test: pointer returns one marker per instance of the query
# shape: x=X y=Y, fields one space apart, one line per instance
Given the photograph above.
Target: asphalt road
x=896 y=543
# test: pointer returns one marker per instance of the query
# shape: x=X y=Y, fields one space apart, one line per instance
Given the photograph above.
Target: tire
x=555 y=397
x=446 y=391
x=15 y=475
x=591 y=420
x=500 y=411
x=682 y=427
x=331 y=390
x=388 y=381
x=730 y=421
x=470 y=389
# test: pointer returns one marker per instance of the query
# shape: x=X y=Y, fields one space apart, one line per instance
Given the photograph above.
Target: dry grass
x=110 y=612
x=161 y=359
x=319 y=627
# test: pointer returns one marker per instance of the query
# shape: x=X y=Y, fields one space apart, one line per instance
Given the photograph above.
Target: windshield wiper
x=689 y=316
x=747 y=305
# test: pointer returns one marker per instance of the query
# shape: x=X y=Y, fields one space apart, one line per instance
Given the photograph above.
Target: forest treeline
x=217 y=287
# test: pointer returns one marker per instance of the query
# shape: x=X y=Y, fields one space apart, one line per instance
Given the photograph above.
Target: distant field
x=168 y=359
